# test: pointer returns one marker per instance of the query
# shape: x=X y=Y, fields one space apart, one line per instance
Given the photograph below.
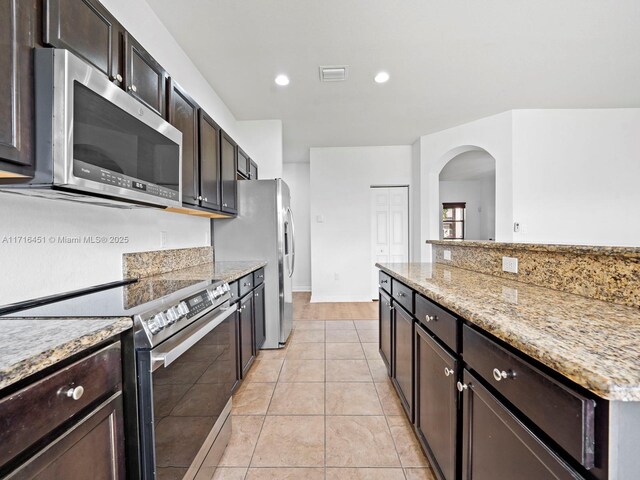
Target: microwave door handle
x=293 y=242
x=163 y=357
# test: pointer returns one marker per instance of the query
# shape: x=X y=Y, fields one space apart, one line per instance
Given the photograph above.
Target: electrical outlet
x=510 y=264
x=447 y=254
x=510 y=295
x=163 y=239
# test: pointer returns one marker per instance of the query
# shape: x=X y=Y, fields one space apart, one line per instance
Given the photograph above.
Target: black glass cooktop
x=124 y=298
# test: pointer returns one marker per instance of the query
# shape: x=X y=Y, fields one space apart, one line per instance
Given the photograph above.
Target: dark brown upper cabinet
x=253 y=171
x=20 y=22
x=86 y=28
x=244 y=163
x=209 y=162
x=144 y=78
x=183 y=114
x=228 y=168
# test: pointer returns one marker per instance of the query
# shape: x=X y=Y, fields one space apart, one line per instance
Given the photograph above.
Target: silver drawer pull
x=501 y=374
x=430 y=318
x=461 y=386
x=260 y=276
x=75 y=393
x=448 y=371
x=384 y=281
x=401 y=294
x=246 y=284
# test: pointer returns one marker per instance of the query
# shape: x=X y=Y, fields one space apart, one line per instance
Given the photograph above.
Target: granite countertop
x=632 y=252
x=29 y=345
x=149 y=288
x=594 y=343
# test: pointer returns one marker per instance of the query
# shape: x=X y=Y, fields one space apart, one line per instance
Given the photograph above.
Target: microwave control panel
x=108 y=177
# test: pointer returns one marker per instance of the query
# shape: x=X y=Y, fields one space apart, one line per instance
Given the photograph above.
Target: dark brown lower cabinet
x=402 y=372
x=93 y=448
x=386 y=327
x=496 y=445
x=258 y=314
x=436 y=403
x=247 y=345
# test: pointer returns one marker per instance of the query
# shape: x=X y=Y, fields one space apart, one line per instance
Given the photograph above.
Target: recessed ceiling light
x=381 y=77
x=282 y=80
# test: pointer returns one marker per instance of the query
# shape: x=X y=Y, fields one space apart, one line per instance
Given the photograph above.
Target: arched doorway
x=467 y=196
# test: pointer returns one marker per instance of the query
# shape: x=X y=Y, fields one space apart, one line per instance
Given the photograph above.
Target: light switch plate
x=510 y=264
x=447 y=254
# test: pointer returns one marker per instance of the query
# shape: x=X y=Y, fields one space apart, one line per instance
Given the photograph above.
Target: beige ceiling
x=450 y=61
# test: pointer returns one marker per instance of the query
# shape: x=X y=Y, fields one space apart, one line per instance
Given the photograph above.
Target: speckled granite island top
x=594 y=343
x=30 y=345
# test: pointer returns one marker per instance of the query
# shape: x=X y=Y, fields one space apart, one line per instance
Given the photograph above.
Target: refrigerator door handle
x=293 y=243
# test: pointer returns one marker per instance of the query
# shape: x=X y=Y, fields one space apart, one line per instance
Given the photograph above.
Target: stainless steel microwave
x=94 y=139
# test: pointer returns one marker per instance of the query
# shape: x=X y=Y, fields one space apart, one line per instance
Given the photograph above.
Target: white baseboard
x=302 y=289
x=339 y=298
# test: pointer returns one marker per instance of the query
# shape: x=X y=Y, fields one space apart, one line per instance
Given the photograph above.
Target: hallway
x=322 y=408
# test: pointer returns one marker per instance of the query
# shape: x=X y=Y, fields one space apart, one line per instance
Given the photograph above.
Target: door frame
x=408 y=187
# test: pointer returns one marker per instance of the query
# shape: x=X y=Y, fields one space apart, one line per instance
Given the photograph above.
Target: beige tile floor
x=322 y=408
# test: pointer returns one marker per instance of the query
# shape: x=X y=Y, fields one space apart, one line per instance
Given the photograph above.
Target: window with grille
x=453 y=214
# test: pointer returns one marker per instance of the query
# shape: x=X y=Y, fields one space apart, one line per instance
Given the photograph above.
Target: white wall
x=296 y=175
x=415 y=203
x=38 y=269
x=587 y=161
x=263 y=143
x=492 y=134
x=479 y=196
x=577 y=176
x=340 y=181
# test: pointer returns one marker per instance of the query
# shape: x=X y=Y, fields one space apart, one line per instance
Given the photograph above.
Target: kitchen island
x=553 y=361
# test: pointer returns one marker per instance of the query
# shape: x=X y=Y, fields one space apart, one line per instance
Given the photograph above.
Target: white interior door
x=389 y=228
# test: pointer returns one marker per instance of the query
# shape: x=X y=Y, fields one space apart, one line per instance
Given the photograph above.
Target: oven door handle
x=169 y=351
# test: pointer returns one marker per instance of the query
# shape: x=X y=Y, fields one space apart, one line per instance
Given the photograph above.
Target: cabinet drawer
x=258 y=277
x=31 y=413
x=438 y=321
x=402 y=294
x=563 y=414
x=385 y=282
x=246 y=284
x=235 y=291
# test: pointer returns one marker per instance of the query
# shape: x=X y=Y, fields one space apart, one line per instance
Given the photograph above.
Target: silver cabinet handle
x=430 y=318
x=75 y=393
x=448 y=371
x=199 y=197
x=116 y=78
x=133 y=88
x=500 y=375
x=246 y=284
x=401 y=294
x=257 y=295
x=384 y=281
x=206 y=199
x=225 y=205
x=260 y=276
x=461 y=386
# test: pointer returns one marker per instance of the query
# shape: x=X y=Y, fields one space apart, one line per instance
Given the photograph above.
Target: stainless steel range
x=186 y=374
x=181 y=367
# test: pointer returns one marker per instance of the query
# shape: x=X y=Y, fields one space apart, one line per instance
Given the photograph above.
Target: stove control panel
x=188 y=308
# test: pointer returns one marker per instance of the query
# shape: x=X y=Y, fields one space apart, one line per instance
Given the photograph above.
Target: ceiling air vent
x=336 y=73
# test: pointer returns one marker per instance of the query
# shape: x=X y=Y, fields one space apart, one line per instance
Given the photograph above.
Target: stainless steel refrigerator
x=263 y=230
